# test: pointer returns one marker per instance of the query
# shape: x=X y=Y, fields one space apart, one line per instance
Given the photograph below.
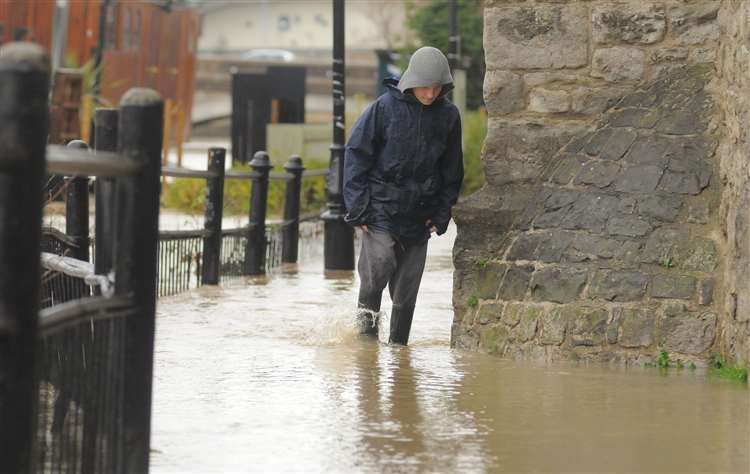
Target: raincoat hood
x=428 y=66
x=392 y=83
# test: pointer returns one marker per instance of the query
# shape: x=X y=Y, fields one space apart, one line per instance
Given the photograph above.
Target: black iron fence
x=190 y=258
x=75 y=377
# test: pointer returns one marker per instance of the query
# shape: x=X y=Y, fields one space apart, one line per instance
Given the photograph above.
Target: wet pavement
x=270 y=375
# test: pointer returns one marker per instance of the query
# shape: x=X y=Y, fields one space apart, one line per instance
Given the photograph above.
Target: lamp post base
x=338 y=243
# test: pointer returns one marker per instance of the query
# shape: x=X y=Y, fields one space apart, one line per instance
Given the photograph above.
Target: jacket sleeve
x=359 y=158
x=452 y=175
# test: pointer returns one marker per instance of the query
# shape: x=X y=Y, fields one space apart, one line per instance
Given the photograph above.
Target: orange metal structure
x=147 y=43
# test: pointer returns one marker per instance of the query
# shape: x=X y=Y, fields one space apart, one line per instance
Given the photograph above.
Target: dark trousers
x=383 y=261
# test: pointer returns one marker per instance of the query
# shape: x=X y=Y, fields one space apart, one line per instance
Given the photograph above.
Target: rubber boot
x=368 y=307
x=401 y=324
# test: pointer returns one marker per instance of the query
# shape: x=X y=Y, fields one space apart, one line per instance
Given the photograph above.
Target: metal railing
x=188 y=259
x=75 y=377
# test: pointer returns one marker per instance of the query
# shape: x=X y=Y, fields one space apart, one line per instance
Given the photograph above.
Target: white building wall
x=301 y=24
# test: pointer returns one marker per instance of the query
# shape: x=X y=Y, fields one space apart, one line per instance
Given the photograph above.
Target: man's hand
x=433 y=229
x=364 y=228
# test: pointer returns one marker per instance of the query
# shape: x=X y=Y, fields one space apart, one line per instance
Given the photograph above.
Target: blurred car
x=269 y=55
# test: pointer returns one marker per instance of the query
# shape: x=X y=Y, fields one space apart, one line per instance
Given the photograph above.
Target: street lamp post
x=339 y=237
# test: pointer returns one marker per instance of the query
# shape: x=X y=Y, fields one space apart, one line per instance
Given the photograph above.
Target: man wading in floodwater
x=402 y=173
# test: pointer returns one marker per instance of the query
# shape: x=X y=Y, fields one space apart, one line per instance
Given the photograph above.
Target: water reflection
x=272 y=376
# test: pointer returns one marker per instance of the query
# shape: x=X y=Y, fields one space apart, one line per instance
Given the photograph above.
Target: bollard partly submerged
x=290 y=226
x=213 y=215
x=255 y=252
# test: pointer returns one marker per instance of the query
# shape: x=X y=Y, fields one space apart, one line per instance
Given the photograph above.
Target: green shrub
x=720 y=368
x=474 y=131
x=189 y=195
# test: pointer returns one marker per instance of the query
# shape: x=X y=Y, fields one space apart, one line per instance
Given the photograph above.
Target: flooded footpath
x=270 y=375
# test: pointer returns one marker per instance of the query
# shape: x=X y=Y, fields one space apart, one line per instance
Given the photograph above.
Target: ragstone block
x=587 y=247
x=569 y=167
x=618 y=285
x=549 y=101
x=523 y=319
x=676 y=248
x=685 y=331
x=591 y=101
x=628 y=226
x=529 y=322
x=663 y=208
x=590 y=212
x=598 y=173
x=556 y=284
x=598 y=141
x=488 y=280
x=516 y=282
x=489 y=312
x=672 y=286
x=618 y=64
x=634 y=117
x=553 y=326
x=686 y=119
x=696 y=23
x=494 y=339
x=503 y=92
x=628 y=23
x=706 y=291
x=638 y=327
x=536 y=37
x=638 y=179
x=618 y=144
x=587 y=326
x=651 y=150
x=668 y=55
x=518 y=152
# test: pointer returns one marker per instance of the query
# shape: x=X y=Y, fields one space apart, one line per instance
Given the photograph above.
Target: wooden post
x=140 y=138
x=290 y=227
x=214 y=213
x=255 y=252
x=24 y=70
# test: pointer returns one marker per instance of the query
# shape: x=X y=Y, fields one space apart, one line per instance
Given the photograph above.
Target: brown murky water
x=272 y=377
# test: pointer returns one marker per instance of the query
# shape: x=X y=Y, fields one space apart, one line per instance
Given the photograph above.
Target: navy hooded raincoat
x=404 y=165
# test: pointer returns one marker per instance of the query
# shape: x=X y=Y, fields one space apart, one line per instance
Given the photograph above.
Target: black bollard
x=105 y=133
x=255 y=252
x=24 y=86
x=77 y=209
x=140 y=139
x=213 y=215
x=290 y=227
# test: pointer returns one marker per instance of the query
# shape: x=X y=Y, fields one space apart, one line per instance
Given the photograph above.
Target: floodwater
x=269 y=375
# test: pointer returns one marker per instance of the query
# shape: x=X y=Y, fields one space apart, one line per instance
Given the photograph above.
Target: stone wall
x=597 y=235
x=733 y=96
